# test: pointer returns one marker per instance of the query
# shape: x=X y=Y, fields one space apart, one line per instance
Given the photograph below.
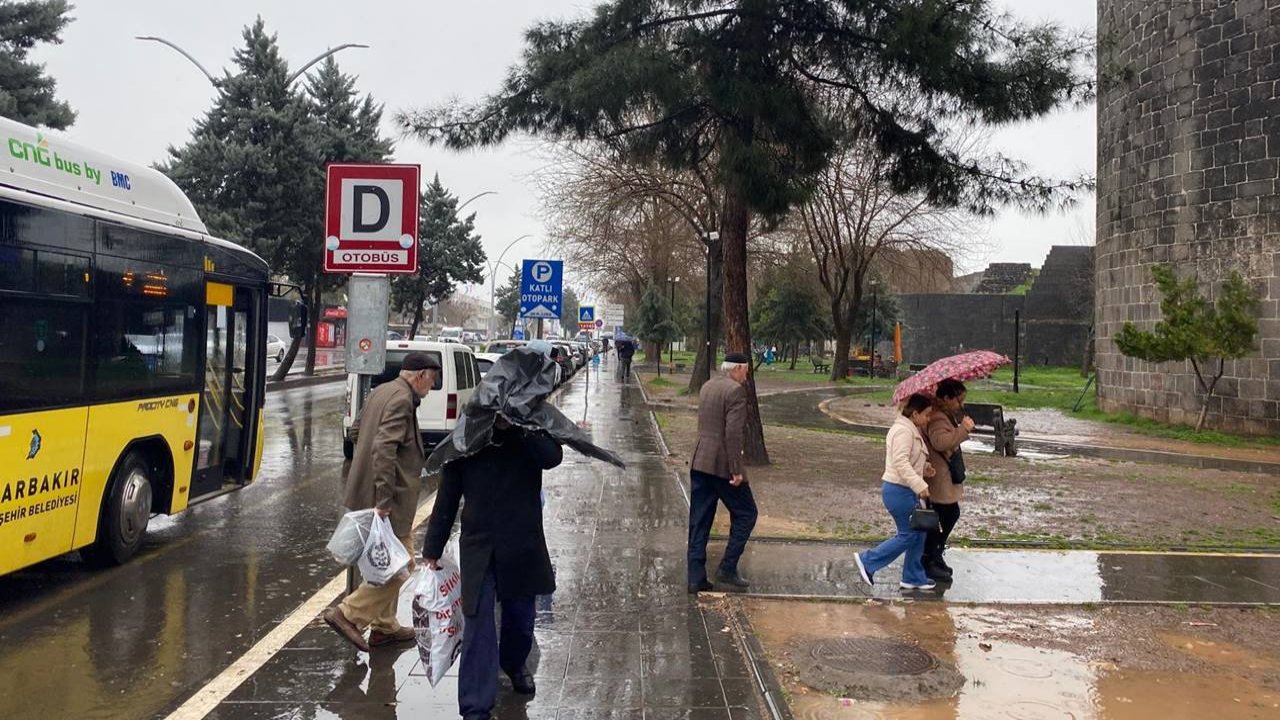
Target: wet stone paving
x=620 y=639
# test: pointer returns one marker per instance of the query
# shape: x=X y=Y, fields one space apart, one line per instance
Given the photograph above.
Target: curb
x=766 y=681
x=317 y=379
x=1136 y=455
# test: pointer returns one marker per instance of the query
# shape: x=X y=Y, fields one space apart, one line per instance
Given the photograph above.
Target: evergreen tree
x=449 y=252
x=769 y=89
x=254 y=167
x=655 y=323
x=787 y=314
x=507 y=304
x=26 y=93
x=569 y=312
x=1195 y=330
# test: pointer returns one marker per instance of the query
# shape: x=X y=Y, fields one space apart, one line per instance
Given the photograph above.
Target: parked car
x=486 y=361
x=438 y=413
x=504 y=346
x=275 y=348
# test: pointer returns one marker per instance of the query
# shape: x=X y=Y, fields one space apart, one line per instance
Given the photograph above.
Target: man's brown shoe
x=334 y=618
x=381 y=639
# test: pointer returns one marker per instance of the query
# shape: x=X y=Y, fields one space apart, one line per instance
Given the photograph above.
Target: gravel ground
x=827 y=485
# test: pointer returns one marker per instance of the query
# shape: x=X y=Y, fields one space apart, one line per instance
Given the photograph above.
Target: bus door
x=228 y=414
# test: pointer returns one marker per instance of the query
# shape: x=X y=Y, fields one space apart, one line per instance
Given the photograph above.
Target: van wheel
x=348 y=449
x=125 y=514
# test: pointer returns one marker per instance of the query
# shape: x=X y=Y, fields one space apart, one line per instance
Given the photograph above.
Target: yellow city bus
x=132 y=352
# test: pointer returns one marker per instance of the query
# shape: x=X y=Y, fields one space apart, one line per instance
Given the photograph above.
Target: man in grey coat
x=716 y=474
x=385 y=474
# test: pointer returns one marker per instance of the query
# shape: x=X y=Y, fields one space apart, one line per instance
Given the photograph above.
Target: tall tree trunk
x=314 y=330
x=795 y=353
x=417 y=319
x=844 y=335
x=737 y=322
x=715 y=277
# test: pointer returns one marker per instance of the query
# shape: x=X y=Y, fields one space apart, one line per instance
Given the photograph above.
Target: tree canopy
x=27 y=94
x=449 y=253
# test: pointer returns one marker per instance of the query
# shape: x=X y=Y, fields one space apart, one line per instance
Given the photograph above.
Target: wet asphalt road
x=131 y=642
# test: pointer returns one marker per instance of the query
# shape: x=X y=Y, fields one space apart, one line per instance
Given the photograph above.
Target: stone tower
x=1188 y=143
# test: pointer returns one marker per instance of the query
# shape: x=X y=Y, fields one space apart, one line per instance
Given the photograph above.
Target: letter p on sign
x=371 y=219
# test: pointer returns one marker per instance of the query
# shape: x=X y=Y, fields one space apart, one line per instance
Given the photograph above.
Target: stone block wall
x=935 y=326
x=1188 y=175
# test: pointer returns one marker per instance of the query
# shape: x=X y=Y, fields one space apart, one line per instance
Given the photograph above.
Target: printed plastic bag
x=384 y=556
x=438 y=619
x=349 y=539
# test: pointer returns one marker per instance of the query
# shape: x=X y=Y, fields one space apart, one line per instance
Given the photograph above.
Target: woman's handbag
x=925 y=518
x=955 y=464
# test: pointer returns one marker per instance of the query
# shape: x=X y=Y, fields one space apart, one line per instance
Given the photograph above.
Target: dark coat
x=722 y=422
x=386 y=468
x=502 y=518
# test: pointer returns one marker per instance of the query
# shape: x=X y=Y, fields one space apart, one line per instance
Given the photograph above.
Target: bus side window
x=41 y=353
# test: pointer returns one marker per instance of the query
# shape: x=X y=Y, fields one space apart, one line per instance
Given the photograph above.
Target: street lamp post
x=875 y=300
x=213 y=81
x=493 y=277
x=671 y=344
x=712 y=237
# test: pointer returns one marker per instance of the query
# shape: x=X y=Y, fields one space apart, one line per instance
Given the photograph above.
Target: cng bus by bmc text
x=132 y=361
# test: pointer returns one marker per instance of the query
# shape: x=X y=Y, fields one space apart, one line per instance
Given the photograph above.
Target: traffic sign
x=517 y=334
x=599 y=323
x=615 y=314
x=541 y=289
x=587 y=314
x=371 y=218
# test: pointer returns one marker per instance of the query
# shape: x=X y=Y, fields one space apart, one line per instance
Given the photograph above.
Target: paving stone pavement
x=620 y=639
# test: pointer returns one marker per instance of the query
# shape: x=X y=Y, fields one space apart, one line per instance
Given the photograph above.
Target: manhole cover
x=880 y=656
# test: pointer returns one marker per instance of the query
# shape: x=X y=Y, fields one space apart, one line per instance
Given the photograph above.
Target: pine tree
x=655 y=323
x=769 y=89
x=26 y=93
x=569 y=305
x=449 y=252
x=1195 y=330
x=254 y=167
x=787 y=314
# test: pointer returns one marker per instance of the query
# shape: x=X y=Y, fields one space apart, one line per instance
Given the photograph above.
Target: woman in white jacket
x=906 y=465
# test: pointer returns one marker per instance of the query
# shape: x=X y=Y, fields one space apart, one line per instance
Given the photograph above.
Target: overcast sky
x=136 y=98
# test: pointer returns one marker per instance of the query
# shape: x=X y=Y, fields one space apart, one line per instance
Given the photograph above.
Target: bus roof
x=46 y=163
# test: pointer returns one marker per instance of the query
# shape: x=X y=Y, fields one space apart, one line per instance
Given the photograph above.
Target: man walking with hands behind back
x=716 y=474
x=386 y=474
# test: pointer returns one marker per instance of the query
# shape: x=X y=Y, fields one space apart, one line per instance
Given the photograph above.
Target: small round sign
x=600 y=323
x=365 y=344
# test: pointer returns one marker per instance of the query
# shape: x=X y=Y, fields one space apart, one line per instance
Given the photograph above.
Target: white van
x=438 y=413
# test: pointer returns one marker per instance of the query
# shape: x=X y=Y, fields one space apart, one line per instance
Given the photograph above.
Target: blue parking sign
x=541 y=289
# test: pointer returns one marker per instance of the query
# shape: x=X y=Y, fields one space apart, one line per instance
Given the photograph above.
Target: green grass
x=662 y=382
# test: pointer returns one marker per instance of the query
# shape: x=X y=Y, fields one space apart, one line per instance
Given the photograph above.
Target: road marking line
x=207 y=698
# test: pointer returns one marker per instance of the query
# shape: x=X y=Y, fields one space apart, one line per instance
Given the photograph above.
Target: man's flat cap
x=737 y=358
x=415 y=361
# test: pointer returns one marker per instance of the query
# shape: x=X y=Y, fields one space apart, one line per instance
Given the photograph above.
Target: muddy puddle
x=1027 y=664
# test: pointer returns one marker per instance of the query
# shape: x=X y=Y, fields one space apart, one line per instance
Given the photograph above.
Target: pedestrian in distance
x=905 y=483
x=716 y=474
x=947 y=430
x=626 y=351
x=386 y=475
x=503 y=556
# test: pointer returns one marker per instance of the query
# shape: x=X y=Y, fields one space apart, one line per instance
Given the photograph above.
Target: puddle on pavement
x=1003 y=678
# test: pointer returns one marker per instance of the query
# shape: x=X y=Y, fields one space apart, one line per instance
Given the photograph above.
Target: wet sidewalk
x=620 y=639
x=827 y=570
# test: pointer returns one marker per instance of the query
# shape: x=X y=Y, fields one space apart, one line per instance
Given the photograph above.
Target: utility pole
x=706 y=320
x=671 y=344
x=871 y=354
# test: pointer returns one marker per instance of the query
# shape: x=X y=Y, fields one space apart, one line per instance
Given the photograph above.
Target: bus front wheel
x=125 y=514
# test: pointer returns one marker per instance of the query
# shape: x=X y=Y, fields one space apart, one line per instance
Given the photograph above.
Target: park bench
x=819 y=366
x=987 y=415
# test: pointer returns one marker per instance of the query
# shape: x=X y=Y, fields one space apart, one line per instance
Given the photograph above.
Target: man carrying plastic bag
x=495 y=459
x=385 y=475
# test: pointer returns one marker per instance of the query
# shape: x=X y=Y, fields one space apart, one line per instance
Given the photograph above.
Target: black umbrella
x=515 y=387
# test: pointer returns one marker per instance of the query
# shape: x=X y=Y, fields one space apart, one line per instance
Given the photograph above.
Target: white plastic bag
x=349 y=538
x=437 y=619
x=384 y=556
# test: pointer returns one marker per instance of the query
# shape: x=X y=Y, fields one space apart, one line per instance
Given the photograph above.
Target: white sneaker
x=862 y=570
x=928 y=585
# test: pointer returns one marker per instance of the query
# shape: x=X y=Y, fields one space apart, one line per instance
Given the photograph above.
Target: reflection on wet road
x=131 y=641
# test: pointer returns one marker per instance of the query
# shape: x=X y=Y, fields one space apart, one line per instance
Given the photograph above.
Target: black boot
x=935 y=570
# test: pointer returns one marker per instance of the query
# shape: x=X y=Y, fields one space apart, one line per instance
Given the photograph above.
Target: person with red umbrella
x=947 y=430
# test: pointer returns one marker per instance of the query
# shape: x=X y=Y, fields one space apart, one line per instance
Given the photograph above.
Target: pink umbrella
x=965 y=366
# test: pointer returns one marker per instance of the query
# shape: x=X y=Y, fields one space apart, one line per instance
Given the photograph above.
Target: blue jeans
x=900 y=500
x=483 y=653
x=705 y=492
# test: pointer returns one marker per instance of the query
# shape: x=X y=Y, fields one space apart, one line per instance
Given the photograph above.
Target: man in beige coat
x=716 y=474
x=385 y=474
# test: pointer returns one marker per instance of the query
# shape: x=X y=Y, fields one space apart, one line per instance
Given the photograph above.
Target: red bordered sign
x=371 y=218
